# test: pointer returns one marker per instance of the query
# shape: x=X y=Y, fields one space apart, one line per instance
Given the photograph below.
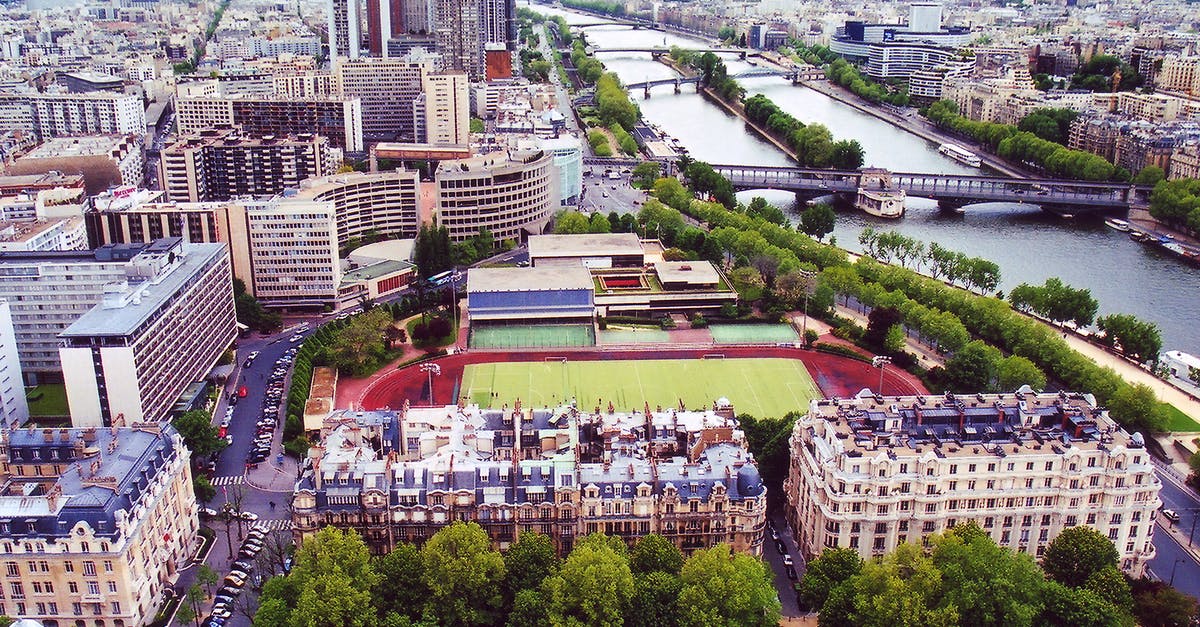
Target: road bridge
x=950 y=190
x=661 y=50
x=645 y=86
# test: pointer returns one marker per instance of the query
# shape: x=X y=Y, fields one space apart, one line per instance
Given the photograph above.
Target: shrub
x=439 y=327
x=698 y=322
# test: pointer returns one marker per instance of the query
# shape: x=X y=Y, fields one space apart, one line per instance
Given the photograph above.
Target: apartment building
x=344 y=18
x=61 y=114
x=305 y=85
x=94 y=523
x=1180 y=73
x=43 y=234
x=512 y=194
x=377 y=202
x=563 y=472
x=1185 y=162
x=221 y=164
x=104 y=161
x=457 y=27
x=293 y=251
x=445 y=103
x=338 y=119
x=161 y=328
x=387 y=89
x=49 y=290
x=14 y=409
x=872 y=472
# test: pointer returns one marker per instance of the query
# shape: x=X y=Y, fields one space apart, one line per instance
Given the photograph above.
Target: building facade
x=446 y=105
x=563 y=472
x=63 y=115
x=14 y=409
x=221 y=164
x=384 y=203
x=870 y=473
x=344 y=18
x=293 y=252
x=47 y=291
x=457 y=31
x=94 y=523
x=511 y=195
x=104 y=161
x=387 y=89
x=338 y=119
x=1180 y=73
x=128 y=359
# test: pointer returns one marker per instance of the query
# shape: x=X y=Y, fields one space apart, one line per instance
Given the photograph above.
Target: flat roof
x=76 y=147
x=375 y=270
x=694 y=272
x=124 y=320
x=590 y=245
x=387 y=250
x=480 y=280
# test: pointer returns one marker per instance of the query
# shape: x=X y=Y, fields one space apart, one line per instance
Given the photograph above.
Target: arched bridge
x=693 y=80
x=661 y=50
x=948 y=189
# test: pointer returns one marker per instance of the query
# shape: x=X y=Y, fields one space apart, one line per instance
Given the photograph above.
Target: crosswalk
x=228 y=480
x=274 y=525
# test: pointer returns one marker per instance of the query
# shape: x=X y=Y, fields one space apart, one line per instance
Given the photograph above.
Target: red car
x=242 y=391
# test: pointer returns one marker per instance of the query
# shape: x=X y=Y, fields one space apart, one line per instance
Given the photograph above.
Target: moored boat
x=960 y=154
x=1117 y=224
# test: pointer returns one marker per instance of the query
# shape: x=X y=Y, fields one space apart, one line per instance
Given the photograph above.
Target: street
x=1172 y=555
x=600 y=193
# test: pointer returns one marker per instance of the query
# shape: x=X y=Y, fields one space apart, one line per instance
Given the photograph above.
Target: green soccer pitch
x=759 y=387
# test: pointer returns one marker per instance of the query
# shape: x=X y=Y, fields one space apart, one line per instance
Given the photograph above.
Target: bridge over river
x=950 y=190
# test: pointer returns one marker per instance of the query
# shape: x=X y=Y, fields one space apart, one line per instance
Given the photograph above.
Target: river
x=1028 y=244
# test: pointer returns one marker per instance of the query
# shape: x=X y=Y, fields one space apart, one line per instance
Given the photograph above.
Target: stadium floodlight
x=880 y=361
x=431 y=369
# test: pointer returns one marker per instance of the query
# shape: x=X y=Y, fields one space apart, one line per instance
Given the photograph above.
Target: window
x=116 y=607
x=17 y=591
x=108 y=566
x=69 y=566
x=879 y=543
x=93 y=587
x=89 y=569
x=73 y=587
x=880 y=528
x=929 y=526
x=13 y=569
x=112 y=587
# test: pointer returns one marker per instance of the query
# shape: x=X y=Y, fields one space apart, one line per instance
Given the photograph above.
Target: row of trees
x=813 y=143
x=613 y=103
x=1135 y=338
x=1056 y=301
x=964 y=578
x=842 y=73
x=1177 y=203
x=1022 y=146
x=1049 y=124
x=433 y=253
x=588 y=68
x=456 y=579
x=939 y=262
x=817 y=54
x=1106 y=73
x=615 y=9
x=738 y=236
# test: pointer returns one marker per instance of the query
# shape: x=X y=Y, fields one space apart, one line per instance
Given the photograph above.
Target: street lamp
x=1178 y=560
x=430 y=370
x=879 y=362
x=809 y=286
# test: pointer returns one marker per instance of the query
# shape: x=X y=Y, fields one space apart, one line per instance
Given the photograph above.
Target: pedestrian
x=272 y=504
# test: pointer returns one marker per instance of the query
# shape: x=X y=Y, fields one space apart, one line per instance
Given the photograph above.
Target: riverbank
x=740 y=113
x=913 y=124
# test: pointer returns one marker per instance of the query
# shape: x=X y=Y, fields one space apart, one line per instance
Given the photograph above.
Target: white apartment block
x=92 y=113
x=384 y=202
x=48 y=291
x=871 y=473
x=42 y=234
x=156 y=332
x=387 y=88
x=14 y=410
x=306 y=85
x=293 y=247
x=344 y=19
x=1180 y=74
x=338 y=119
x=447 y=109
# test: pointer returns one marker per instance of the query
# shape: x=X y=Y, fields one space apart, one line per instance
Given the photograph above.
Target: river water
x=1028 y=244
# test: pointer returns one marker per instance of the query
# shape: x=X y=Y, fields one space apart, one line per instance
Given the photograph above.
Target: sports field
x=760 y=387
x=753 y=333
x=532 y=336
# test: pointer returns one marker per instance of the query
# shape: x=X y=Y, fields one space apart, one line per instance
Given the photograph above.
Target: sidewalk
x=1133 y=374
x=274 y=477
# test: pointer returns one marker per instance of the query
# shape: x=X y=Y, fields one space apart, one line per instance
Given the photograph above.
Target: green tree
x=655 y=600
x=973 y=368
x=1109 y=584
x=1136 y=407
x=333 y=599
x=654 y=553
x=1149 y=175
x=476 y=125
x=529 y=560
x=986 y=583
x=1156 y=604
x=464 y=576
x=829 y=570
x=1064 y=606
x=599 y=224
x=207 y=577
x=203 y=488
x=645 y=174
x=721 y=587
x=1076 y=554
x=358 y=347
x=1015 y=371
x=593 y=587
x=529 y=610
x=401 y=587
x=571 y=223
x=818 y=220
x=198 y=432
x=903 y=588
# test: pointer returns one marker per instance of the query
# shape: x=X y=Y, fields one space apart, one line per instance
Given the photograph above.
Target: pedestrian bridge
x=950 y=190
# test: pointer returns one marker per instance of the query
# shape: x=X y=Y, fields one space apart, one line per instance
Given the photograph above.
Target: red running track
x=834 y=375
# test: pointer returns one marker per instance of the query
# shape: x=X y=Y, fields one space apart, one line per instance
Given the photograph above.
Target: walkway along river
x=1029 y=245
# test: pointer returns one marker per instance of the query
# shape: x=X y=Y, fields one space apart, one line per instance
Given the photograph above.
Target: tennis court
x=753 y=333
x=532 y=336
x=760 y=387
x=634 y=336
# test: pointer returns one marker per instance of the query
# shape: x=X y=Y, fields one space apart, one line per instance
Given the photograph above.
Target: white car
x=250 y=516
x=296 y=338
x=787 y=560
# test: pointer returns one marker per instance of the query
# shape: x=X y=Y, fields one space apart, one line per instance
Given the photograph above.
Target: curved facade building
x=382 y=202
x=512 y=196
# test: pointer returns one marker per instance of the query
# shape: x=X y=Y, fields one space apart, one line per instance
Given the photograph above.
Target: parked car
x=1171 y=515
x=250 y=516
x=787 y=561
x=208 y=512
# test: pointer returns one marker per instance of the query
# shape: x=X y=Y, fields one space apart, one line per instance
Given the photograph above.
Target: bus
x=440 y=279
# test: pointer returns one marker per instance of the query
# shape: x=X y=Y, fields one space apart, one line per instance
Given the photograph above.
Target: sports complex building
x=574 y=278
